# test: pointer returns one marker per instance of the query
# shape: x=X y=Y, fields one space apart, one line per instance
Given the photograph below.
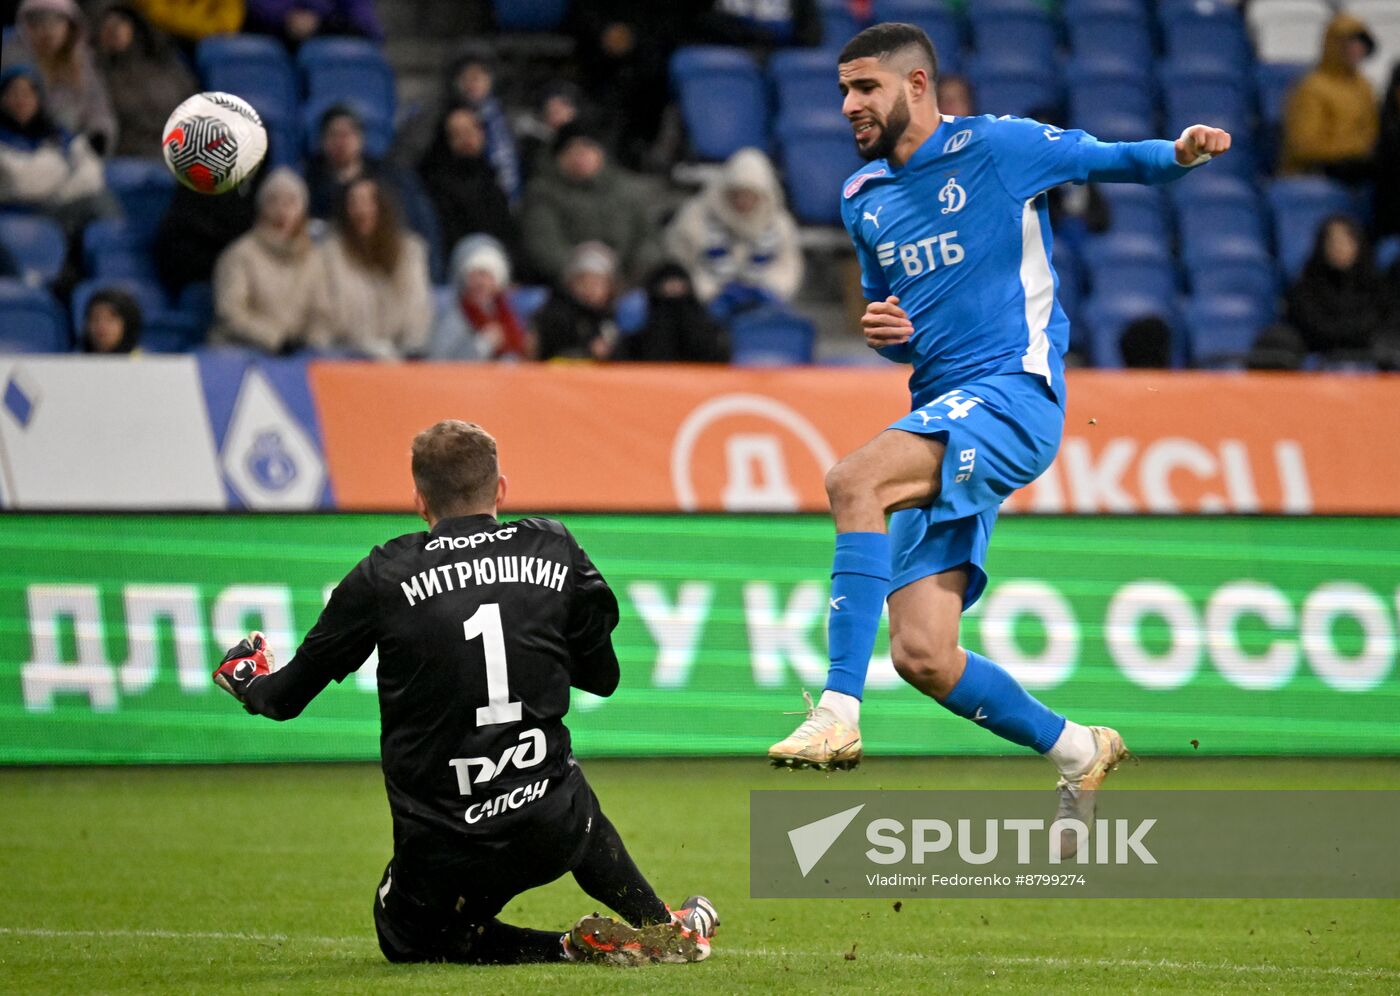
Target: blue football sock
x=986 y=694
x=860 y=580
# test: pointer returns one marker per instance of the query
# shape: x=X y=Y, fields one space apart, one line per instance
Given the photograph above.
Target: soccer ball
x=213 y=142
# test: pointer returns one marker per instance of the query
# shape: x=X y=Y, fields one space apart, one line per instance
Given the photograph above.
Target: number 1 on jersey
x=486 y=623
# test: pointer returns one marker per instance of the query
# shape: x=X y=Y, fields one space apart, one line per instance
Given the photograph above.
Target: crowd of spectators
x=491 y=185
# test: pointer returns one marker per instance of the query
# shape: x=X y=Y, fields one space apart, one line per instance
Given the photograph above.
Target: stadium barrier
x=1193 y=635
x=229 y=432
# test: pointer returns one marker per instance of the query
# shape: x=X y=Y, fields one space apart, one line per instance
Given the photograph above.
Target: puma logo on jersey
x=836 y=602
x=874 y=219
x=979 y=715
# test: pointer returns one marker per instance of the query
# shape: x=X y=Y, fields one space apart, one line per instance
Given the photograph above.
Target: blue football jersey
x=961 y=233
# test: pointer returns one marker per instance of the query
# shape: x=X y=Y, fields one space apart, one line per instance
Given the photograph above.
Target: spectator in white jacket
x=42 y=167
x=736 y=236
x=51 y=37
x=375 y=301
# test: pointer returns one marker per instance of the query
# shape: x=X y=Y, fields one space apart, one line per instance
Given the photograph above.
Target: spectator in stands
x=560 y=104
x=375 y=301
x=1387 y=171
x=473 y=83
x=267 y=283
x=195 y=231
x=1331 y=123
x=111 y=323
x=736 y=237
x=577 y=322
x=678 y=329
x=341 y=159
x=294 y=21
x=461 y=182
x=145 y=76
x=760 y=23
x=480 y=324
x=42 y=166
x=1146 y=344
x=955 y=96
x=580 y=198
x=192 y=20
x=50 y=37
x=1340 y=304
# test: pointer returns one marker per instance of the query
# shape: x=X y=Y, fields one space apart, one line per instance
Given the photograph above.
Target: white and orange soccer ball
x=213 y=142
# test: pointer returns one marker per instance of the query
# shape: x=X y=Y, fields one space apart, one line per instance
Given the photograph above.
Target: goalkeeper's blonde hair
x=455 y=468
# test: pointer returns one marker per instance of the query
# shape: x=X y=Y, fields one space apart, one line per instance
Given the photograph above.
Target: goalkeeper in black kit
x=482 y=627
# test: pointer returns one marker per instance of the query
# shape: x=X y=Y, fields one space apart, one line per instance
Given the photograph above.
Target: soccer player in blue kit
x=950 y=226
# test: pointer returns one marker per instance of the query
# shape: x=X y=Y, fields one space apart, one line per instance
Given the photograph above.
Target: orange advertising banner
x=666 y=438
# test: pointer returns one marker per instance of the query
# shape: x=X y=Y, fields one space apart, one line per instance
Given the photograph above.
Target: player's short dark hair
x=455 y=468
x=880 y=41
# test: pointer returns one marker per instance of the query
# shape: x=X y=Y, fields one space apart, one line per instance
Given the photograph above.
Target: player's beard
x=891 y=131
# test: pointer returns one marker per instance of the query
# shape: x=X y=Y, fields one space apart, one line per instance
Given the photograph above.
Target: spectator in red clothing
x=480 y=324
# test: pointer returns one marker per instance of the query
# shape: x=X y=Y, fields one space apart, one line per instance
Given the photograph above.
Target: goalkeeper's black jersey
x=482 y=627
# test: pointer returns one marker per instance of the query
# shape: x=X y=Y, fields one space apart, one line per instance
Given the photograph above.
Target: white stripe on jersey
x=1038 y=284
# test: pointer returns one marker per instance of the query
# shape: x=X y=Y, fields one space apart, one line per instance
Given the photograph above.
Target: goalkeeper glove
x=243 y=665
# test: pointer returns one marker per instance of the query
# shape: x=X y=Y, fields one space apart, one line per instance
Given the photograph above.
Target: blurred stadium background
x=1212 y=564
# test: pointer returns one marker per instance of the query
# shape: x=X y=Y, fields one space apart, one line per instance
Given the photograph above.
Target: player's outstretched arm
x=247 y=673
x=1199 y=143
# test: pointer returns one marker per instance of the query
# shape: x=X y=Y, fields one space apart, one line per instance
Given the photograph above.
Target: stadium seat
x=938 y=20
x=803 y=79
x=196 y=301
x=1221 y=328
x=143 y=187
x=1387 y=252
x=839 y=25
x=1209 y=217
x=1127 y=35
x=530 y=15
x=1135 y=209
x=31 y=320
x=1109 y=125
x=1019 y=91
x=171 y=332
x=771 y=337
x=1206 y=31
x=255 y=67
x=1080 y=10
x=526 y=300
x=1194 y=89
x=1288 y=30
x=722 y=100
x=114 y=248
x=1130 y=264
x=817 y=155
x=1253 y=278
x=37 y=244
x=1107 y=313
x=1274 y=81
x=1299 y=205
x=1025 y=39
x=1101 y=94
x=348 y=70
x=148 y=296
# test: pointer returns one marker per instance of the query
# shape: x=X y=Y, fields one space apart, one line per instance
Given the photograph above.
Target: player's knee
x=930 y=666
x=841 y=481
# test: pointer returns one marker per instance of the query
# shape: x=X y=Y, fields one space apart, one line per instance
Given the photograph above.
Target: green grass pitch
x=259 y=879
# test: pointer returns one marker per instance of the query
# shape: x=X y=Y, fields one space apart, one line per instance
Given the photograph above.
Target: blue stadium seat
x=143 y=187
x=771 y=337
x=148 y=295
x=1079 y=10
x=1207 y=32
x=1107 y=313
x=379 y=131
x=1099 y=94
x=803 y=79
x=530 y=15
x=1221 y=328
x=1014 y=36
x=1299 y=205
x=1109 y=125
x=31 y=321
x=1275 y=81
x=196 y=301
x=817 y=154
x=1018 y=91
x=1210 y=183
x=839 y=25
x=115 y=248
x=526 y=300
x=1255 y=278
x=722 y=100
x=349 y=70
x=1197 y=93
x=938 y=20
x=37 y=244
x=254 y=67
x=1130 y=264
x=1210 y=217
x=1137 y=210
x=172 y=332
x=1387 y=252
x=630 y=313
x=1127 y=35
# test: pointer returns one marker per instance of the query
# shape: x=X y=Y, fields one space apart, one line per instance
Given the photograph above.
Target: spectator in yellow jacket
x=195 y=19
x=1331 y=121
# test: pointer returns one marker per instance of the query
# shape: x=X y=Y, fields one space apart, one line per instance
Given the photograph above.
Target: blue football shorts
x=1000 y=433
